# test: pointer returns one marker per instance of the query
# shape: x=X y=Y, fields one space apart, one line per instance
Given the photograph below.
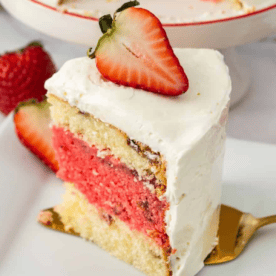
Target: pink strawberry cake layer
x=110 y=185
x=143 y=171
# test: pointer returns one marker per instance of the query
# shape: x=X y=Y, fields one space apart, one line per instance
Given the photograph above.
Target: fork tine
x=228 y=228
x=227 y=233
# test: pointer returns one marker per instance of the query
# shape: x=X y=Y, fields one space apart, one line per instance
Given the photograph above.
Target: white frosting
x=188 y=130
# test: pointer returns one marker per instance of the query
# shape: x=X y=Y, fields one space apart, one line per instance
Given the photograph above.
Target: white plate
x=26 y=187
x=218 y=31
x=2 y=117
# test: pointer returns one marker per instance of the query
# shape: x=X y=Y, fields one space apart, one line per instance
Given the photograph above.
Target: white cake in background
x=59 y=2
x=185 y=133
x=193 y=10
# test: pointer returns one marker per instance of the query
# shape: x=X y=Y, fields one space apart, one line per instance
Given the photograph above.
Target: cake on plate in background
x=237 y=4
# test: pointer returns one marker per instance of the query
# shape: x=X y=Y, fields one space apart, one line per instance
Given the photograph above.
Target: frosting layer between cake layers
x=188 y=130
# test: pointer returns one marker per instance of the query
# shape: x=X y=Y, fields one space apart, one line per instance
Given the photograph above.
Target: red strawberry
x=135 y=51
x=32 y=121
x=22 y=75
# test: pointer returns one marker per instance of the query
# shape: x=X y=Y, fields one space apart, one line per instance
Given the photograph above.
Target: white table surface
x=254 y=118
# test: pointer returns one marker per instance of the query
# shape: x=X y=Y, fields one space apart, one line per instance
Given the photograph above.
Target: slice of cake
x=142 y=170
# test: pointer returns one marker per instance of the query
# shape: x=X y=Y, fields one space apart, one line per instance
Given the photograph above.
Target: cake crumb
x=63 y=11
x=45 y=217
x=106 y=217
x=198 y=94
x=174 y=251
x=180 y=199
x=68 y=227
x=251 y=10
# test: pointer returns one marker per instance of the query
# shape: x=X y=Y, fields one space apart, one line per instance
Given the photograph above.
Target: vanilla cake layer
x=188 y=131
x=111 y=234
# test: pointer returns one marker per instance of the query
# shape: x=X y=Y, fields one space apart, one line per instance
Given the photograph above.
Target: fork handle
x=266 y=220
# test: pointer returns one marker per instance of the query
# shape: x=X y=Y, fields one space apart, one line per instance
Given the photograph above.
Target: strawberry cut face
x=136 y=52
x=31 y=121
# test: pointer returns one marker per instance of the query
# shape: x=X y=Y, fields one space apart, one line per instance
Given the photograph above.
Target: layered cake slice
x=142 y=170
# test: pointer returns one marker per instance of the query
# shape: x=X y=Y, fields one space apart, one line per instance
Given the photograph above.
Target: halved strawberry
x=135 y=51
x=32 y=121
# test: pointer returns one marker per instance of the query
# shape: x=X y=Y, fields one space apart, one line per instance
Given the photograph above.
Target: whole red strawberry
x=135 y=51
x=22 y=75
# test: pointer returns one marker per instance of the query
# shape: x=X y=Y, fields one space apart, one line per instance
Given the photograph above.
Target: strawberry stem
x=33 y=43
x=25 y=103
x=91 y=53
x=105 y=23
x=128 y=5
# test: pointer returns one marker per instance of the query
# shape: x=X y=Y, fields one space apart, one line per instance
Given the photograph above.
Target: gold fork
x=235 y=230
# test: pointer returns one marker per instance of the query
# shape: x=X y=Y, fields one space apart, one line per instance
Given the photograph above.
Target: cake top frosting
x=164 y=123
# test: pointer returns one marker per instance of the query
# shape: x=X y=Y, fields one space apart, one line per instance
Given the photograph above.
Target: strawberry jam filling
x=110 y=185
